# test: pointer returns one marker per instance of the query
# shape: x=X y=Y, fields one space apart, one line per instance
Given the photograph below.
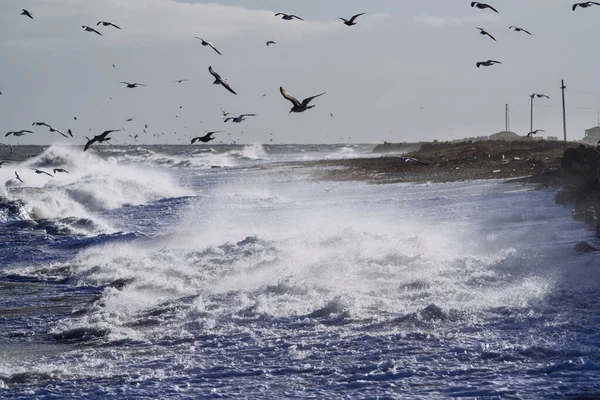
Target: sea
x=193 y=272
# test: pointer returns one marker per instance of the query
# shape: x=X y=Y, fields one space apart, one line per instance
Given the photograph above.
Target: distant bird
x=18 y=133
x=52 y=129
x=482 y=6
x=69 y=132
x=517 y=29
x=530 y=134
x=205 y=43
x=99 y=138
x=88 y=29
x=180 y=80
x=106 y=23
x=350 y=21
x=39 y=171
x=240 y=118
x=219 y=81
x=484 y=32
x=487 y=63
x=55 y=170
x=129 y=120
x=327 y=189
x=133 y=85
x=26 y=13
x=270 y=42
x=411 y=159
x=298 y=107
x=585 y=4
x=0 y=93
x=288 y=17
x=540 y=95
x=18 y=177
x=225 y=113
x=206 y=138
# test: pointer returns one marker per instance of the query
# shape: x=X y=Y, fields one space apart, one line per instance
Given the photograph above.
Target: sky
x=405 y=72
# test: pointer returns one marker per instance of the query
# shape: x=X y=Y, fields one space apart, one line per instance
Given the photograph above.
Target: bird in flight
x=206 y=138
x=298 y=106
x=18 y=133
x=99 y=138
x=52 y=129
x=350 y=21
x=239 y=118
x=106 y=23
x=517 y=29
x=219 y=81
x=225 y=113
x=288 y=17
x=270 y=42
x=26 y=13
x=18 y=177
x=132 y=85
x=205 y=43
x=482 y=6
x=180 y=80
x=540 y=95
x=39 y=171
x=487 y=63
x=55 y=170
x=585 y=4
x=530 y=134
x=486 y=33
x=88 y=29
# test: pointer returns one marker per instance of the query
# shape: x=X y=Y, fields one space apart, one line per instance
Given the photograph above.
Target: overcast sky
x=405 y=72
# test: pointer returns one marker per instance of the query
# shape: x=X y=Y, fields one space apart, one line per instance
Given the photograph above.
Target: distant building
x=592 y=135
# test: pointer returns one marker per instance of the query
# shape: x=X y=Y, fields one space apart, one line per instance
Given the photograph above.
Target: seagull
x=351 y=22
x=219 y=81
x=26 y=13
x=205 y=138
x=180 y=80
x=133 y=85
x=205 y=43
x=484 y=32
x=411 y=159
x=18 y=133
x=55 y=170
x=18 y=177
x=487 y=63
x=50 y=127
x=517 y=29
x=69 y=132
x=270 y=42
x=540 y=95
x=240 y=118
x=582 y=5
x=39 y=171
x=530 y=134
x=99 y=138
x=225 y=113
x=106 y=23
x=288 y=17
x=298 y=107
x=88 y=29
x=482 y=6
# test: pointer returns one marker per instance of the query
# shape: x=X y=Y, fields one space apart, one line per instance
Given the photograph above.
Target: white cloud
x=454 y=21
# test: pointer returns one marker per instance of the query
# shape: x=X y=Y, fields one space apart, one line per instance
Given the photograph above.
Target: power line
x=583 y=92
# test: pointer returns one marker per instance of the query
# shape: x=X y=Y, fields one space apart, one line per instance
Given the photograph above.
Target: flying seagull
x=206 y=138
x=585 y=4
x=205 y=43
x=298 y=107
x=55 y=170
x=288 y=17
x=180 y=80
x=106 y=23
x=52 y=129
x=88 y=29
x=69 y=132
x=132 y=85
x=240 y=118
x=18 y=133
x=219 y=81
x=482 y=6
x=18 y=177
x=484 y=32
x=39 y=171
x=99 y=138
x=487 y=63
x=225 y=113
x=270 y=42
x=517 y=29
x=540 y=95
x=26 y=13
x=350 y=21
x=530 y=134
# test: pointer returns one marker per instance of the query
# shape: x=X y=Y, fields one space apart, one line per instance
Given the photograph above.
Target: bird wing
x=111 y=24
x=105 y=133
x=278 y=14
x=214 y=48
x=213 y=73
x=127 y=83
x=194 y=140
x=473 y=3
x=497 y=62
x=344 y=19
x=285 y=94
x=69 y=132
x=100 y=22
x=297 y=17
x=44 y=172
x=491 y=8
x=212 y=133
x=355 y=16
x=56 y=130
x=228 y=119
x=526 y=31
x=593 y=2
x=248 y=115
x=226 y=86
x=575 y=6
x=90 y=142
x=18 y=177
x=309 y=99
x=487 y=33
x=8 y=134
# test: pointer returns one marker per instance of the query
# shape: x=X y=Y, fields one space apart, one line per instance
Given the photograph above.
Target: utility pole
x=506 y=118
x=563 y=87
x=531 y=118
